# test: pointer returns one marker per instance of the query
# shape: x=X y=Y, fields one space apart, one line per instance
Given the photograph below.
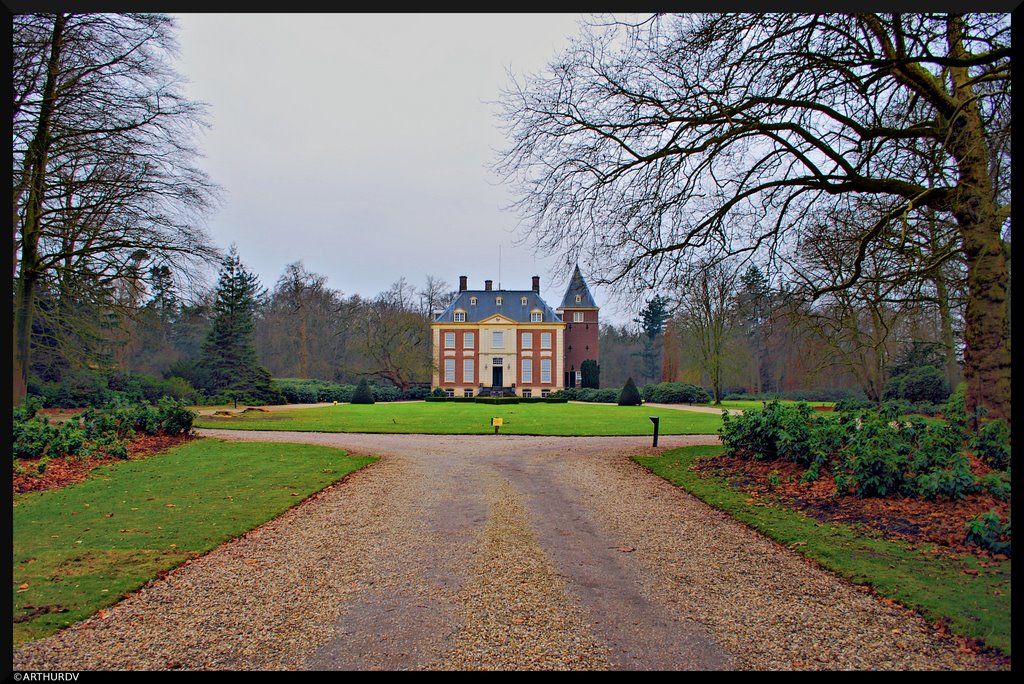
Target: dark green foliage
x=453 y=399
x=956 y=409
x=992 y=444
x=363 y=393
x=924 y=383
x=228 y=362
x=989 y=532
x=385 y=393
x=590 y=373
x=630 y=395
x=498 y=400
x=438 y=392
x=778 y=431
x=96 y=431
x=811 y=395
x=875 y=458
x=607 y=396
x=852 y=404
x=675 y=393
x=89 y=388
x=996 y=484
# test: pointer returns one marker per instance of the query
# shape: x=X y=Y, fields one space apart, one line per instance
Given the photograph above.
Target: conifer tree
x=228 y=361
x=630 y=395
x=363 y=393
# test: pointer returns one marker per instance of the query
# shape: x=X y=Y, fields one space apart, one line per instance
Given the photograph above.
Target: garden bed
x=68 y=470
x=914 y=520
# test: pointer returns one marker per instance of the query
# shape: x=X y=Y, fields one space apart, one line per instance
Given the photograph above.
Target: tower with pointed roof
x=579 y=312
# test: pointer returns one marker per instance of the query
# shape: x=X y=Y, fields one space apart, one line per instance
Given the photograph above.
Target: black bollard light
x=655 y=419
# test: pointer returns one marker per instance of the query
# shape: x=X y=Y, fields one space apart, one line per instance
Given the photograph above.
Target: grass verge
x=440 y=418
x=83 y=547
x=971 y=594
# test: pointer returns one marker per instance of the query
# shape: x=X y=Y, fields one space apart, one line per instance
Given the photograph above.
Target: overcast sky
x=360 y=143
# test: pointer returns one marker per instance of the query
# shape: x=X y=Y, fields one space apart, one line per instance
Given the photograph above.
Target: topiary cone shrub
x=630 y=395
x=363 y=393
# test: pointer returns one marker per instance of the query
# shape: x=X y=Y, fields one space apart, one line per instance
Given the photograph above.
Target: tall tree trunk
x=29 y=272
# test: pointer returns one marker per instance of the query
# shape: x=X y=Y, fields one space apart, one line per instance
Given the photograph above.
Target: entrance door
x=496 y=374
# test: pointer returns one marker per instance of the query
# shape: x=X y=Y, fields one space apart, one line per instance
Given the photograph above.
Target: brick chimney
x=487 y=284
x=463 y=286
x=536 y=284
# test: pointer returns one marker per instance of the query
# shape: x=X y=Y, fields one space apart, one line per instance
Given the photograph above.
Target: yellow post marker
x=497 y=423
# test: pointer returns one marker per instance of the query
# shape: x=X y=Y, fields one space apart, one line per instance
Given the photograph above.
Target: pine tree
x=228 y=361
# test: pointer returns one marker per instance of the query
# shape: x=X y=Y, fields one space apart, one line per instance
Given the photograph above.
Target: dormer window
x=497 y=301
x=536 y=317
x=579 y=298
x=523 y=301
x=472 y=301
x=460 y=316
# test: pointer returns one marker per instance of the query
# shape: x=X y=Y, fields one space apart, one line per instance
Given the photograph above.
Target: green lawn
x=974 y=597
x=83 y=547
x=441 y=418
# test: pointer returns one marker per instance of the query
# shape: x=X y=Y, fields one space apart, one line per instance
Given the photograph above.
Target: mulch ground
x=61 y=472
x=912 y=520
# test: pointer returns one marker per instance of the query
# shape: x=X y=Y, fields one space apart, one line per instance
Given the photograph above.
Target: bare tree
x=736 y=132
x=105 y=184
x=706 y=307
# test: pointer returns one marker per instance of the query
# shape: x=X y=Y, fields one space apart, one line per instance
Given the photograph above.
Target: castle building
x=511 y=342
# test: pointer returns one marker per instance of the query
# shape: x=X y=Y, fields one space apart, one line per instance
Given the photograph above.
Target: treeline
x=738 y=334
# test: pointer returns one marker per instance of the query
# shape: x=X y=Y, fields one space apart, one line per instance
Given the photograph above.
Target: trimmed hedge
x=675 y=393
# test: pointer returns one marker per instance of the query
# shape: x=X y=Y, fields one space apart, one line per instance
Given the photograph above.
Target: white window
x=536 y=317
x=523 y=301
x=577 y=316
x=545 y=392
x=527 y=393
x=467 y=393
x=467 y=370
x=498 y=339
x=545 y=340
x=468 y=340
x=460 y=316
x=497 y=301
x=579 y=298
x=449 y=370
x=545 y=370
x=527 y=371
x=579 y=379
x=472 y=301
x=449 y=340
x=449 y=392
x=527 y=340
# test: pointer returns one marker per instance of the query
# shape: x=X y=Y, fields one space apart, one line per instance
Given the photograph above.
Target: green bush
x=923 y=383
x=876 y=458
x=989 y=532
x=363 y=393
x=438 y=393
x=996 y=484
x=497 y=400
x=385 y=393
x=675 y=393
x=630 y=395
x=777 y=431
x=992 y=444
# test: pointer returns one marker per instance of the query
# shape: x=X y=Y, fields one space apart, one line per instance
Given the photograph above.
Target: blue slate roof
x=578 y=286
x=486 y=306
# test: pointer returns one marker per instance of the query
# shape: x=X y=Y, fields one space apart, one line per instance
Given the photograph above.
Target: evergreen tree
x=652 y=324
x=630 y=395
x=363 y=393
x=228 y=361
x=591 y=372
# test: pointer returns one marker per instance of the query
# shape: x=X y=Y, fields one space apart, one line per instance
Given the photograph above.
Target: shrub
x=590 y=373
x=992 y=444
x=630 y=395
x=777 y=430
x=415 y=393
x=923 y=383
x=675 y=393
x=876 y=458
x=363 y=393
x=996 y=484
x=989 y=532
x=385 y=393
x=852 y=404
x=438 y=393
x=497 y=400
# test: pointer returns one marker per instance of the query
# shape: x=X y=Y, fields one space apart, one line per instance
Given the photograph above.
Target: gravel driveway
x=498 y=552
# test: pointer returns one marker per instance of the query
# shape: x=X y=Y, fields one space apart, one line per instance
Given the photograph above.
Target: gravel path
x=485 y=552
